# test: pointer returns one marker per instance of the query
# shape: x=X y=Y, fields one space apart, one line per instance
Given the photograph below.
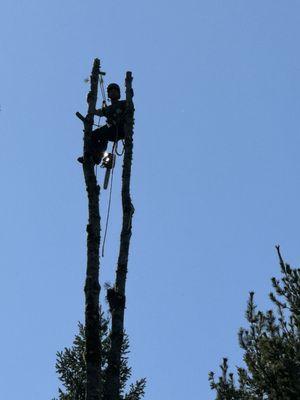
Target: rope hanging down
x=101 y=83
x=113 y=152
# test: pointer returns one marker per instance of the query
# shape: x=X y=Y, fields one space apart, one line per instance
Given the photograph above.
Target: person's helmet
x=113 y=86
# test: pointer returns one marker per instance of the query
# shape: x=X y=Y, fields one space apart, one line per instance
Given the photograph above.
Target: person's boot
x=98 y=158
x=81 y=159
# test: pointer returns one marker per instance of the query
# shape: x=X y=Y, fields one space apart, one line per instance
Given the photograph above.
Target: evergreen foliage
x=271 y=346
x=71 y=367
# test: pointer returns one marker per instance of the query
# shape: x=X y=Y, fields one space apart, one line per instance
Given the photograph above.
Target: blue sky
x=215 y=178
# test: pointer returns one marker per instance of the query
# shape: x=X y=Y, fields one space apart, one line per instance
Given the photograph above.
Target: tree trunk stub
x=92 y=285
x=117 y=306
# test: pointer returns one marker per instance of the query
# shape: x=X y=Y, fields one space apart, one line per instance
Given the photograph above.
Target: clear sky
x=216 y=178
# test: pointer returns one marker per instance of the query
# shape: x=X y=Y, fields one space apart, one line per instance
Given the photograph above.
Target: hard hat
x=113 y=86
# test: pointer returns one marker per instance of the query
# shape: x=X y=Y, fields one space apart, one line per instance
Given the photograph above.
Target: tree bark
x=92 y=285
x=116 y=295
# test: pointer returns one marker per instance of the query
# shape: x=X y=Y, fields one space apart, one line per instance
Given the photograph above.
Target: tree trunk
x=116 y=295
x=92 y=286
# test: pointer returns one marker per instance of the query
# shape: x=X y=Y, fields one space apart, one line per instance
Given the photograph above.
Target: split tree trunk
x=92 y=286
x=116 y=295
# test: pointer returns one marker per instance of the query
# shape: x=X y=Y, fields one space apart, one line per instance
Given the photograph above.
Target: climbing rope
x=101 y=83
x=113 y=152
x=104 y=100
x=122 y=152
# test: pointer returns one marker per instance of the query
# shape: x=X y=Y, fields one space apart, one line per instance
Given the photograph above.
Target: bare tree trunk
x=92 y=286
x=116 y=295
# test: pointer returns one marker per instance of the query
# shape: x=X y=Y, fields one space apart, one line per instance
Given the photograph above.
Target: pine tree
x=96 y=366
x=271 y=346
x=71 y=367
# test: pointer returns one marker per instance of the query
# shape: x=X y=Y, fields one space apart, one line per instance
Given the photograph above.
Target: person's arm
x=100 y=112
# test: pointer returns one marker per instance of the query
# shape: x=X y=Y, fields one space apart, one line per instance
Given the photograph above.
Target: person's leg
x=98 y=144
x=115 y=133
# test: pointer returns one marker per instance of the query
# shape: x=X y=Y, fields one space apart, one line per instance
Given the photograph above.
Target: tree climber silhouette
x=113 y=130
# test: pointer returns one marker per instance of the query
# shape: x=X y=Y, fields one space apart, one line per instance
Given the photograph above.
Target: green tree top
x=271 y=346
x=71 y=368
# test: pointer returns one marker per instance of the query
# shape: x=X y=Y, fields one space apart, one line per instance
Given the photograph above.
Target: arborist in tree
x=114 y=128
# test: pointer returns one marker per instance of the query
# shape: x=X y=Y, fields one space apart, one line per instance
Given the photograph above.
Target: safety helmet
x=113 y=86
